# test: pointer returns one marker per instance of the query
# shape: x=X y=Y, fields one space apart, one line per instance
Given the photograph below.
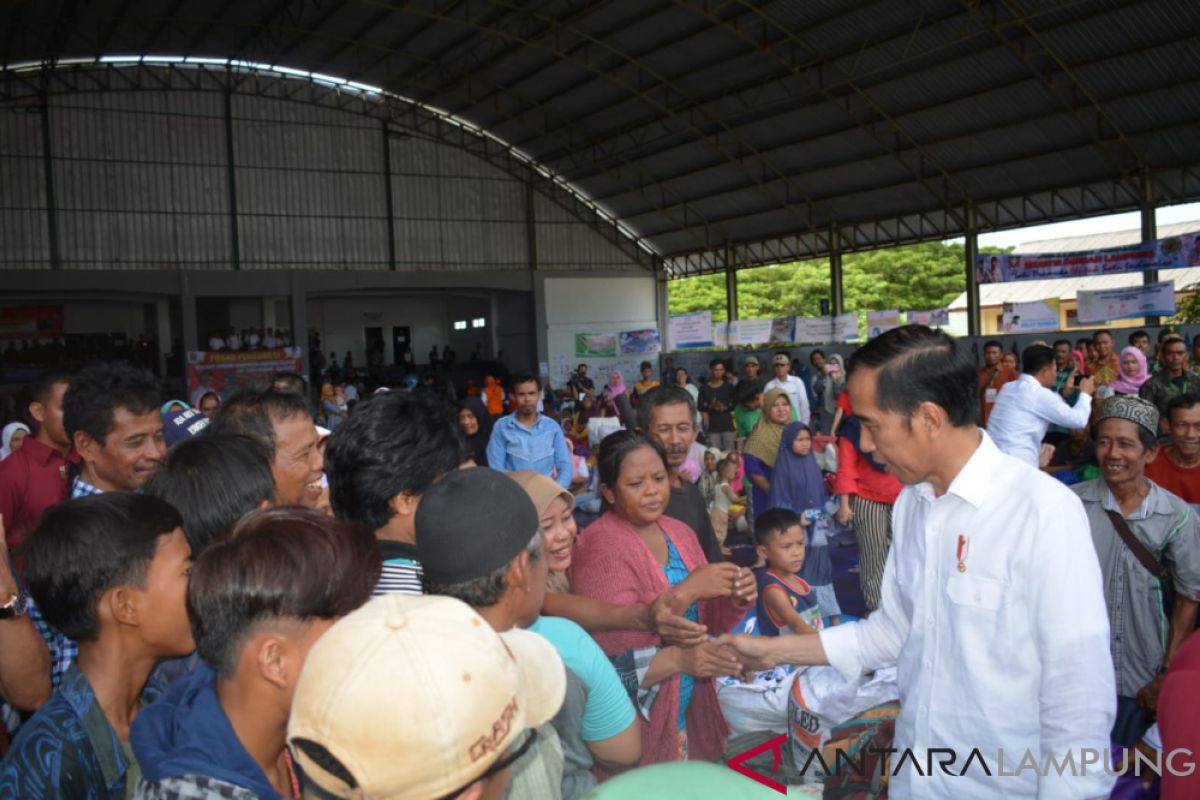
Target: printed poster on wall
x=227 y=372
x=932 y=318
x=720 y=334
x=813 y=330
x=782 y=330
x=1039 y=315
x=845 y=327
x=31 y=322
x=1151 y=300
x=882 y=321
x=639 y=342
x=595 y=345
x=750 y=331
x=690 y=330
x=1169 y=253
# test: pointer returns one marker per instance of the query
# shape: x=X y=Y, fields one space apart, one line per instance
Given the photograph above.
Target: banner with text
x=750 y=331
x=31 y=322
x=882 y=321
x=1039 y=315
x=1151 y=300
x=690 y=330
x=1169 y=253
x=933 y=318
x=229 y=371
x=643 y=342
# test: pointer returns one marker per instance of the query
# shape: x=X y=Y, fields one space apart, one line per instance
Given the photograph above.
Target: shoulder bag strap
x=1139 y=550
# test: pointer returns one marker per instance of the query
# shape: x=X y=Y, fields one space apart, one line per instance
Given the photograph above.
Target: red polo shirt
x=32 y=480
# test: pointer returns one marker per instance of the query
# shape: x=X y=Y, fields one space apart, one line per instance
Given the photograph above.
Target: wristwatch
x=17 y=606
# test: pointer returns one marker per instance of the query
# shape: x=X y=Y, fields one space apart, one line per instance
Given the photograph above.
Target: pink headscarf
x=1124 y=384
x=616 y=383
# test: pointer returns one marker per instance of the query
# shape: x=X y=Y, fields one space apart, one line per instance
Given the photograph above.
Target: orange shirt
x=990 y=381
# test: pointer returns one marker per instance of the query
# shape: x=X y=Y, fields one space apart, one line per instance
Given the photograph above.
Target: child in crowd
x=708 y=478
x=798 y=484
x=111 y=572
x=786 y=604
x=724 y=499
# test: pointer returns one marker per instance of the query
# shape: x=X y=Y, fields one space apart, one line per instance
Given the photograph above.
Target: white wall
x=341 y=321
x=596 y=305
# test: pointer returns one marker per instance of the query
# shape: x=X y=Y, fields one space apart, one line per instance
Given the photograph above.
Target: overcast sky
x=1082 y=227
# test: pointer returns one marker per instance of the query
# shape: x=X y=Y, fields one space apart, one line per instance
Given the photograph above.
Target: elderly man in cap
x=1144 y=536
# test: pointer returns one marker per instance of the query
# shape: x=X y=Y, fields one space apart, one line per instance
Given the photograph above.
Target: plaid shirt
x=81 y=488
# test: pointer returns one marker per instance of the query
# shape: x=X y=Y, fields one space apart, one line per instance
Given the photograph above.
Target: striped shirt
x=401 y=571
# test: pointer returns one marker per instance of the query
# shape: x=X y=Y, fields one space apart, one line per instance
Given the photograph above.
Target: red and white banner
x=229 y=371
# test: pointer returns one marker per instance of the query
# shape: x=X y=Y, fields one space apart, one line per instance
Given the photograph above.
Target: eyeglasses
x=504 y=762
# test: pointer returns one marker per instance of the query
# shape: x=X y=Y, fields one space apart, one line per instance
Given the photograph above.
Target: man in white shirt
x=992 y=604
x=1026 y=407
x=780 y=365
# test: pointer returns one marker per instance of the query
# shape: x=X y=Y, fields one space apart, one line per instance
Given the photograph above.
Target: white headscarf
x=6 y=437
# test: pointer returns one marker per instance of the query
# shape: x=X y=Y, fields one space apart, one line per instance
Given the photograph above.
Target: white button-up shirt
x=1010 y=654
x=1023 y=411
x=796 y=391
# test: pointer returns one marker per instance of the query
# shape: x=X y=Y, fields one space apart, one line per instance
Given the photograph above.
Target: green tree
x=910 y=278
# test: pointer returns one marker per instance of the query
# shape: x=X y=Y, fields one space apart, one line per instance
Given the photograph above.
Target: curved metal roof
x=742 y=132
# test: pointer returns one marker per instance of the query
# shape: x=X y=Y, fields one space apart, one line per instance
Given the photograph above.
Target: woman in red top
x=867 y=496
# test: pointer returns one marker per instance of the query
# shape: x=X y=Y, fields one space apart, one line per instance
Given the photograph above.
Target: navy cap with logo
x=470 y=523
x=179 y=426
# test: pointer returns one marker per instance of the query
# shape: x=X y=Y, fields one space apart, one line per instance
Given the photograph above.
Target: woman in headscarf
x=476 y=424
x=1133 y=372
x=763 y=446
x=12 y=438
x=797 y=484
x=608 y=398
x=173 y=407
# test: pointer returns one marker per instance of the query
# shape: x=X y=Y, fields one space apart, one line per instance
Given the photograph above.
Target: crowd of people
x=517 y=590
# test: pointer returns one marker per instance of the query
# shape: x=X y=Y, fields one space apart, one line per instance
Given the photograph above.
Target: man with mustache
x=1177 y=467
x=669 y=414
x=1143 y=535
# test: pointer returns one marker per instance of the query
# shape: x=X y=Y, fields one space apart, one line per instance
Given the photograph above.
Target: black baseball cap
x=470 y=523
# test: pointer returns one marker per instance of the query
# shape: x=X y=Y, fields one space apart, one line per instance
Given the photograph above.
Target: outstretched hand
x=754 y=652
x=667 y=620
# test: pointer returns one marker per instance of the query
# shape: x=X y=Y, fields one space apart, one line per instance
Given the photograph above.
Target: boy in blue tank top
x=786 y=604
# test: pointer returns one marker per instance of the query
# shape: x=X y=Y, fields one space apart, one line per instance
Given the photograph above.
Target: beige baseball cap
x=412 y=698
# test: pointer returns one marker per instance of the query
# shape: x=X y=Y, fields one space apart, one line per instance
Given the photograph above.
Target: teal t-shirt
x=608 y=710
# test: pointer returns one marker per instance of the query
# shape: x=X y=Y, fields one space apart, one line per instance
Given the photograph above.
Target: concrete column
x=1149 y=232
x=187 y=306
x=300 y=320
x=162 y=319
x=837 y=296
x=972 y=252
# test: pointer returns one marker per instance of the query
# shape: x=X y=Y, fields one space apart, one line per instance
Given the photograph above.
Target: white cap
x=412 y=698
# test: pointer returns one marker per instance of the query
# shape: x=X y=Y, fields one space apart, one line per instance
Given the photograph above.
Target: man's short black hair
x=715 y=362
x=746 y=389
x=816 y=352
x=1138 y=335
x=97 y=391
x=671 y=395
x=254 y=413
x=646 y=365
x=1102 y=332
x=391 y=444
x=213 y=481
x=1067 y=342
x=527 y=377
x=41 y=389
x=916 y=365
x=993 y=343
x=1036 y=358
x=1181 y=401
x=277 y=564
x=84 y=547
x=773 y=522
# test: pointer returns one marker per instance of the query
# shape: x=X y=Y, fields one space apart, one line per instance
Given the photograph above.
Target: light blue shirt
x=542 y=448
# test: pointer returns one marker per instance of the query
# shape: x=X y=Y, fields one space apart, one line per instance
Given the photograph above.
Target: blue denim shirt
x=68 y=749
x=542 y=448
